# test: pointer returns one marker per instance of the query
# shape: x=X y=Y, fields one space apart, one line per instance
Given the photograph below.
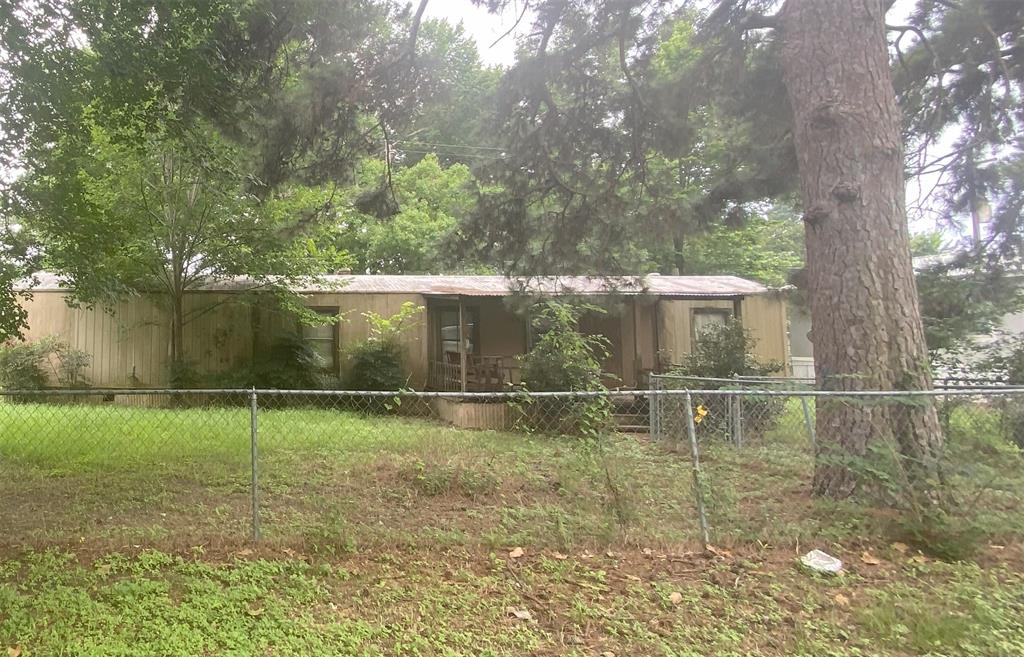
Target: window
x=323 y=338
x=707 y=317
x=448 y=332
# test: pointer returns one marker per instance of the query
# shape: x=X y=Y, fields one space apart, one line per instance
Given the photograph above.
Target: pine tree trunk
x=867 y=330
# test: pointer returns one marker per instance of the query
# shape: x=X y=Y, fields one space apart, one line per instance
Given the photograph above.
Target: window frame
x=726 y=313
x=326 y=311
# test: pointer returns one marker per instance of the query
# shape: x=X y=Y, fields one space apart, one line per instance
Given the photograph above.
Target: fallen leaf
x=870 y=560
x=919 y=558
x=648 y=552
x=255 y=613
x=842 y=600
x=521 y=614
x=676 y=598
x=609 y=554
x=244 y=553
x=14 y=651
x=633 y=578
x=997 y=547
x=900 y=547
x=516 y=553
x=560 y=556
x=607 y=653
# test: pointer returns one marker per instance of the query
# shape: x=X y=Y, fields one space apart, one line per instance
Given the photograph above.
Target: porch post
x=462 y=344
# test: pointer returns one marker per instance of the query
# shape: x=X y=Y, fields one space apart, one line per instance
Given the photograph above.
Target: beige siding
x=130 y=342
x=354 y=328
x=646 y=338
x=675 y=330
x=764 y=315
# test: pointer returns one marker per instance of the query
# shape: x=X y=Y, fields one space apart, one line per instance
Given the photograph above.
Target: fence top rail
x=516 y=395
x=955 y=383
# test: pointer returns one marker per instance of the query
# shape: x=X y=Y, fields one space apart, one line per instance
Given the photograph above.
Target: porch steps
x=632 y=417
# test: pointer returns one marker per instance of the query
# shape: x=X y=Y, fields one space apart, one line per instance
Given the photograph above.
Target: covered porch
x=474 y=344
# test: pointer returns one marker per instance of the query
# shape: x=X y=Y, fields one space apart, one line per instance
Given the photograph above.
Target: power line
x=429 y=143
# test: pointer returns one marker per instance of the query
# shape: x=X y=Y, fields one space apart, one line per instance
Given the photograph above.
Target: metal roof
x=489 y=286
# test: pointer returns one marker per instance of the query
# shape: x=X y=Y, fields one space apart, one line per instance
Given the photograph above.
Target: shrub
x=289 y=364
x=724 y=351
x=376 y=363
x=35 y=365
x=563 y=359
x=1007 y=357
x=21 y=366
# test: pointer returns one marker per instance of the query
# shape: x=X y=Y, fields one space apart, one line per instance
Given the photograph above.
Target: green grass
x=457 y=603
x=126 y=533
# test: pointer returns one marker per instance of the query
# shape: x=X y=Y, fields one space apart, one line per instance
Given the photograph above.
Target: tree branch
x=414 y=31
x=759 y=22
x=512 y=29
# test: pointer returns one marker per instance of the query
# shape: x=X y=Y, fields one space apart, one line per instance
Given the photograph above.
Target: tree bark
x=867 y=330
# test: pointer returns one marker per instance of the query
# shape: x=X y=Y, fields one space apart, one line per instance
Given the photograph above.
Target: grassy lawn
x=125 y=532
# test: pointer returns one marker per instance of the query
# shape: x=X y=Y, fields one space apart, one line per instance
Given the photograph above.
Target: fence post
x=698 y=490
x=809 y=423
x=737 y=419
x=254 y=454
x=654 y=409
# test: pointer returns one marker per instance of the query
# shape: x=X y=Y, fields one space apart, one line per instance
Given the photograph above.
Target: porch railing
x=483 y=374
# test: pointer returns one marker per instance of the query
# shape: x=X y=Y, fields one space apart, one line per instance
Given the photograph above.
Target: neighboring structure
x=469 y=337
x=801 y=361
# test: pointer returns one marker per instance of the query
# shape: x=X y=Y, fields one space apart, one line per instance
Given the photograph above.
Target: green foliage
x=430 y=200
x=564 y=359
x=21 y=366
x=289 y=364
x=723 y=351
x=965 y=296
x=36 y=365
x=931 y=243
x=765 y=249
x=377 y=362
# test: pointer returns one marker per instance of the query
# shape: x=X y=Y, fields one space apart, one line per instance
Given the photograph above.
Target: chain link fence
x=336 y=471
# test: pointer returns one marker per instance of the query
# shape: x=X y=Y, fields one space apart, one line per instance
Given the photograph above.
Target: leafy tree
x=454 y=124
x=930 y=243
x=430 y=201
x=166 y=216
x=962 y=297
x=168 y=142
x=766 y=249
x=563 y=358
x=959 y=74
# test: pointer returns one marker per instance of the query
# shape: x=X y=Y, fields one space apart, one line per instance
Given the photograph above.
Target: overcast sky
x=483 y=26
x=486 y=28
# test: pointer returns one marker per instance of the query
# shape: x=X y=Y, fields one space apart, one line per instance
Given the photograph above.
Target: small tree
x=376 y=363
x=724 y=351
x=564 y=359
